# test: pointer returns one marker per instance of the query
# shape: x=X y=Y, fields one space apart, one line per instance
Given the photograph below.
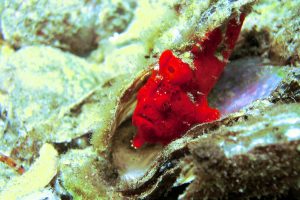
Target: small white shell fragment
x=37 y=177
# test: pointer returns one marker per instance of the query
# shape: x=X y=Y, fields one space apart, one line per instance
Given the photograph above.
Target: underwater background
x=70 y=76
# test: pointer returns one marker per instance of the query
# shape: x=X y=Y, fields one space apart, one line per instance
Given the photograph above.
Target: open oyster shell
x=145 y=172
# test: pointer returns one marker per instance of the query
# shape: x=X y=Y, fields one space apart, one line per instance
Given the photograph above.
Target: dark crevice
x=175 y=192
x=76 y=143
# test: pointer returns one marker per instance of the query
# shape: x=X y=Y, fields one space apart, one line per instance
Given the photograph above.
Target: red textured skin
x=175 y=96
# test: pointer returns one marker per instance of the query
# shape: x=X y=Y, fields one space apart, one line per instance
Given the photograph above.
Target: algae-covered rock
x=81 y=175
x=132 y=50
x=76 y=25
x=43 y=90
x=272 y=30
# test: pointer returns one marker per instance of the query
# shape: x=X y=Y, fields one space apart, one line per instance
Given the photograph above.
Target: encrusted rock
x=259 y=157
x=271 y=31
x=75 y=26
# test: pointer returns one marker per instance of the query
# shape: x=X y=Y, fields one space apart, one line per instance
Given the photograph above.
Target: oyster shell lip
x=124 y=107
x=152 y=187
